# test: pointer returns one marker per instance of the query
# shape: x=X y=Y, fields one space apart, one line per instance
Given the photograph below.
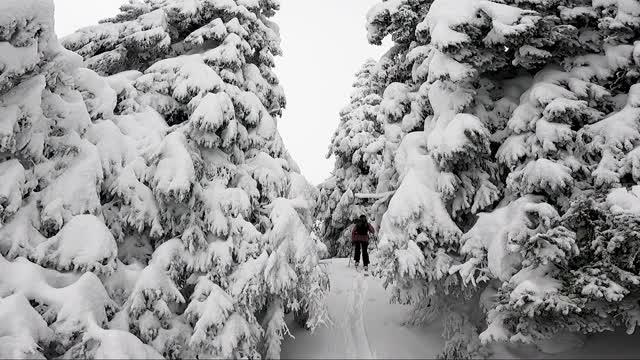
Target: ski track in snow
x=356 y=338
x=364 y=324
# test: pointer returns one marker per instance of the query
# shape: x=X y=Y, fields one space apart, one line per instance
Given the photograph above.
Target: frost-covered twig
x=383 y=195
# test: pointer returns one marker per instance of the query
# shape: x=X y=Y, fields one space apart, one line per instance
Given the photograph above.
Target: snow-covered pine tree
x=357 y=148
x=55 y=250
x=564 y=260
x=224 y=184
x=462 y=86
x=198 y=218
x=515 y=46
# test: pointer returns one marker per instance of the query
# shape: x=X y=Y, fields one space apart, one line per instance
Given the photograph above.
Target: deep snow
x=366 y=326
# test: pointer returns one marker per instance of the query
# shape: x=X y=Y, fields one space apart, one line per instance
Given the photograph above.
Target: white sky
x=323 y=45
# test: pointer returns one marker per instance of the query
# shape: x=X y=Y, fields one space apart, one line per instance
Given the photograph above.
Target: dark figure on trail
x=360 y=240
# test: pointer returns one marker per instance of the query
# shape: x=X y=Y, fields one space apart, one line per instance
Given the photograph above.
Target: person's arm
x=353 y=233
x=372 y=229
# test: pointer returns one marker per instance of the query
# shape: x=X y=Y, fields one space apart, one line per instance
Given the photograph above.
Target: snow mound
x=417 y=205
x=214 y=112
x=68 y=299
x=74 y=191
x=22 y=329
x=12 y=180
x=270 y=173
x=442 y=18
x=98 y=343
x=624 y=201
x=495 y=236
x=84 y=243
x=174 y=174
x=541 y=175
x=28 y=28
x=210 y=308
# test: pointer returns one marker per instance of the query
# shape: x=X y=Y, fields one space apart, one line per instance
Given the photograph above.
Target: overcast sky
x=324 y=44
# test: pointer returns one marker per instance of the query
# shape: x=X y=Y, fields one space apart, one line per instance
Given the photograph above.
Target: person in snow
x=360 y=240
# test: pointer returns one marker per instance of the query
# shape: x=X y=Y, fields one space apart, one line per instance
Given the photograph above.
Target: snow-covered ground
x=365 y=326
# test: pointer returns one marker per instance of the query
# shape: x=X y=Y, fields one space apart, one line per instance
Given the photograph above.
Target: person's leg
x=365 y=254
x=357 y=254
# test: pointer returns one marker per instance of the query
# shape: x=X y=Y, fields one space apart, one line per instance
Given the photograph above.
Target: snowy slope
x=365 y=326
